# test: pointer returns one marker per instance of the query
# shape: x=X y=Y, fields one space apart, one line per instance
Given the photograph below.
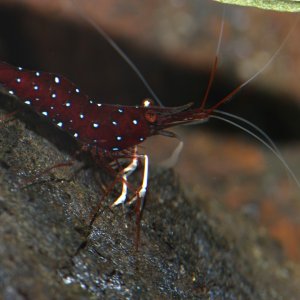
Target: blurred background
x=174 y=43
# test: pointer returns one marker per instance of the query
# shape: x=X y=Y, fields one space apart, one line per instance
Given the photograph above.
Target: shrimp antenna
x=269 y=61
x=117 y=48
x=275 y=152
x=172 y=160
x=215 y=62
x=250 y=124
x=255 y=127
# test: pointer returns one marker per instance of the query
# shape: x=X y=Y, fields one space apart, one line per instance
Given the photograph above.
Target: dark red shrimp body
x=110 y=128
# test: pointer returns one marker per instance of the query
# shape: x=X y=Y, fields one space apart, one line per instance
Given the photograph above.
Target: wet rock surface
x=189 y=247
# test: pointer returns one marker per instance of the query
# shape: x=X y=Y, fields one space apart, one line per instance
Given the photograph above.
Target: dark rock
x=189 y=248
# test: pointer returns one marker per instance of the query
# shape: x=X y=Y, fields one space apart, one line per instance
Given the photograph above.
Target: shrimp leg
x=141 y=192
x=125 y=173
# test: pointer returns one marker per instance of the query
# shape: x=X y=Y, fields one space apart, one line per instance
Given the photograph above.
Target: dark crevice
x=4 y=165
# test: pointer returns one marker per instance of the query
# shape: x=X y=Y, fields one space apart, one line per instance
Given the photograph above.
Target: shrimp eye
x=151 y=116
x=148 y=102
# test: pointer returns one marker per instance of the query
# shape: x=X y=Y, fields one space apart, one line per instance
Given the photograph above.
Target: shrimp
x=108 y=131
x=117 y=135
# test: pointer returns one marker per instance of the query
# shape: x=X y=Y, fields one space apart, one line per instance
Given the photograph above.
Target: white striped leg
x=141 y=192
x=126 y=172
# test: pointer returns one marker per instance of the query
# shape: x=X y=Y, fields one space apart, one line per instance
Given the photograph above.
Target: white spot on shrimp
x=115 y=123
x=56 y=79
x=52 y=107
x=68 y=104
x=28 y=102
x=18 y=80
x=60 y=124
x=120 y=110
x=146 y=103
x=20 y=68
x=95 y=125
x=119 y=138
x=53 y=95
x=45 y=113
x=11 y=92
x=36 y=87
x=76 y=135
x=81 y=116
x=99 y=104
x=37 y=99
x=135 y=122
x=37 y=74
x=91 y=102
x=115 y=149
x=142 y=139
x=77 y=90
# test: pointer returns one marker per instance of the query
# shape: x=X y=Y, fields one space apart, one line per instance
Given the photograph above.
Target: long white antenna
x=215 y=62
x=259 y=130
x=271 y=59
x=278 y=155
x=221 y=33
x=115 y=46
